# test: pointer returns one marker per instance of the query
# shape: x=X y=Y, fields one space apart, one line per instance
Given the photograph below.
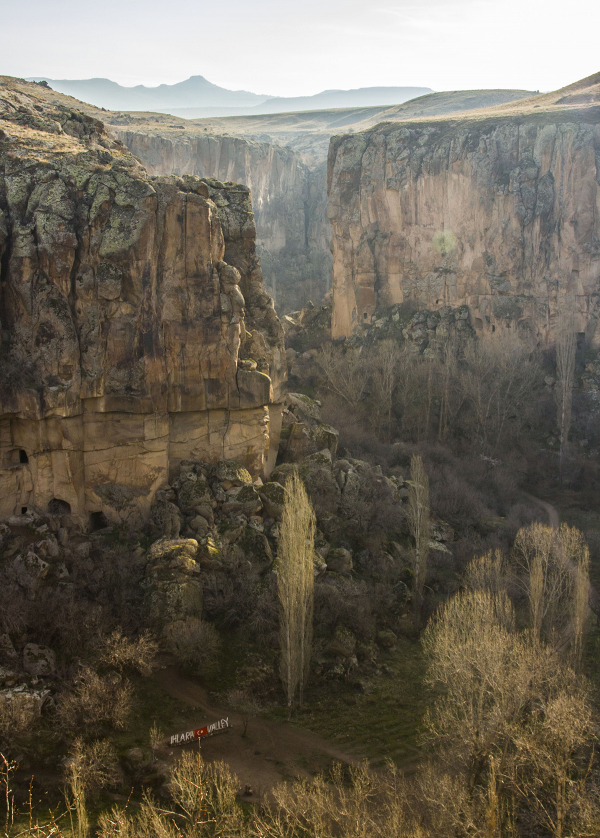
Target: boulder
x=273 y=497
x=441 y=531
x=199 y=525
x=231 y=473
x=26 y=702
x=339 y=560
x=29 y=569
x=192 y=490
x=165 y=515
x=243 y=499
x=210 y=555
x=39 y=660
x=303 y=407
x=343 y=643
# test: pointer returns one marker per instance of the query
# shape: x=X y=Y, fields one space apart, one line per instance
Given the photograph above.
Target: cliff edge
x=134 y=329
x=497 y=210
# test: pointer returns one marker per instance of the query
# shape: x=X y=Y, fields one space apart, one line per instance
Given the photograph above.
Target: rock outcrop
x=289 y=200
x=134 y=328
x=498 y=212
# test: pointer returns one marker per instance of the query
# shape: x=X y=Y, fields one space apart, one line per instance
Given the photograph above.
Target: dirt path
x=269 y=753
x=551 y=511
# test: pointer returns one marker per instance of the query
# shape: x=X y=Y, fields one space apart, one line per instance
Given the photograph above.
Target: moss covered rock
x=273 y=497
x=233 y=473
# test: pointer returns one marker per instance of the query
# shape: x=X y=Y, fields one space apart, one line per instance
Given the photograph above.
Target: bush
x=95 y=701
x=193 y=642
x=95 y=765
x=120 y=652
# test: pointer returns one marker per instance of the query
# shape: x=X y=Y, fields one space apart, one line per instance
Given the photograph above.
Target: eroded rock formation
x=498 y=212
x=288 y=197
x=135 y=331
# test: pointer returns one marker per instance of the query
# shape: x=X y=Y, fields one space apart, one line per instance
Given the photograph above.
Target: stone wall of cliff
x=289 y=201
x=501 y=214
x=134 y=329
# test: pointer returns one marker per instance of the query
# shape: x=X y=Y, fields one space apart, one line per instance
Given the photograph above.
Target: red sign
x=200 y=732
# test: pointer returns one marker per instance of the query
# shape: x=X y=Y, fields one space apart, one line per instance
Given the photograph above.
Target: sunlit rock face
x=499 y=214
x=135 y=331
x=289 y=201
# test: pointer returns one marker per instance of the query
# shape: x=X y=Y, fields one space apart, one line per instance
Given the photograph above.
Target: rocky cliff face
x=135 y=331
x=498 y=212
x=289 y=200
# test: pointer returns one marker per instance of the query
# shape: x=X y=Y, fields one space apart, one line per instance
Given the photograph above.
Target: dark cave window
x=59 y=507
x=23 y=458
x=98 y=521
x=23 y=510
x=365 y=315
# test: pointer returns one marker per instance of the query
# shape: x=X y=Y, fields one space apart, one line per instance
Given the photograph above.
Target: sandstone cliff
x=289 y=199
x=135 y=331
x=498 y=211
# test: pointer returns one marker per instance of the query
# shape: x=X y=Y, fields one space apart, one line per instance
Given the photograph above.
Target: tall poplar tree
x=418 y=521
x=295 y=582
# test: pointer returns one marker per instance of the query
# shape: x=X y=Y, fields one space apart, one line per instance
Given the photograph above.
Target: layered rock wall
x=289 y=201
x=502 y=215
x=134 y=329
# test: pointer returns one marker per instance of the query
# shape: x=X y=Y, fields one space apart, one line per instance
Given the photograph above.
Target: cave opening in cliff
x=59 y=507
x=23 y=458
x=23 y=510
x=98 y=521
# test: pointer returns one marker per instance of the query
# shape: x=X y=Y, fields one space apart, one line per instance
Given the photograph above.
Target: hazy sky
x=303 y=47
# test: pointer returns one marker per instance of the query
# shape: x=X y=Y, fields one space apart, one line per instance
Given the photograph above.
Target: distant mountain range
x=196 y=97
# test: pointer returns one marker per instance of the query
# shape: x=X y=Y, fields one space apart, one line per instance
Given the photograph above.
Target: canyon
x=135 y=330
x=283 y=159
x=496 y=210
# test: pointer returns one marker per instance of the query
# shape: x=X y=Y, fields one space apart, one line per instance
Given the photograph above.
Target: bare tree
x=497 y=379
x=344 y=371
x=556 y=580
x=385 y=362
x=566 y=347
x=295 y=583
x=512 y=717
x=418 y=519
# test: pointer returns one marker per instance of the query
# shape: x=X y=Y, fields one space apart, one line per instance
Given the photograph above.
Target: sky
x=299 y=48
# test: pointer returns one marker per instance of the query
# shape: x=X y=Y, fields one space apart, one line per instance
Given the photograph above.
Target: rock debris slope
x=497 y=210
x=135 y=331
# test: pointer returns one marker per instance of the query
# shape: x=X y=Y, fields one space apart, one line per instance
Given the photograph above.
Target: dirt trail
x=269 y=753
x=551 y=511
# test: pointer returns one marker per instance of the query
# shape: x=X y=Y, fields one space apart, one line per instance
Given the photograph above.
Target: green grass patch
x=383 y=722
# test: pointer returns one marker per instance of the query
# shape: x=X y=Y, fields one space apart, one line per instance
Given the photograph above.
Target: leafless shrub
x=121 y=652
x=17 y=715
x=203 y=804
x=193 y=641
x=94 y=764
x=95 y=701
